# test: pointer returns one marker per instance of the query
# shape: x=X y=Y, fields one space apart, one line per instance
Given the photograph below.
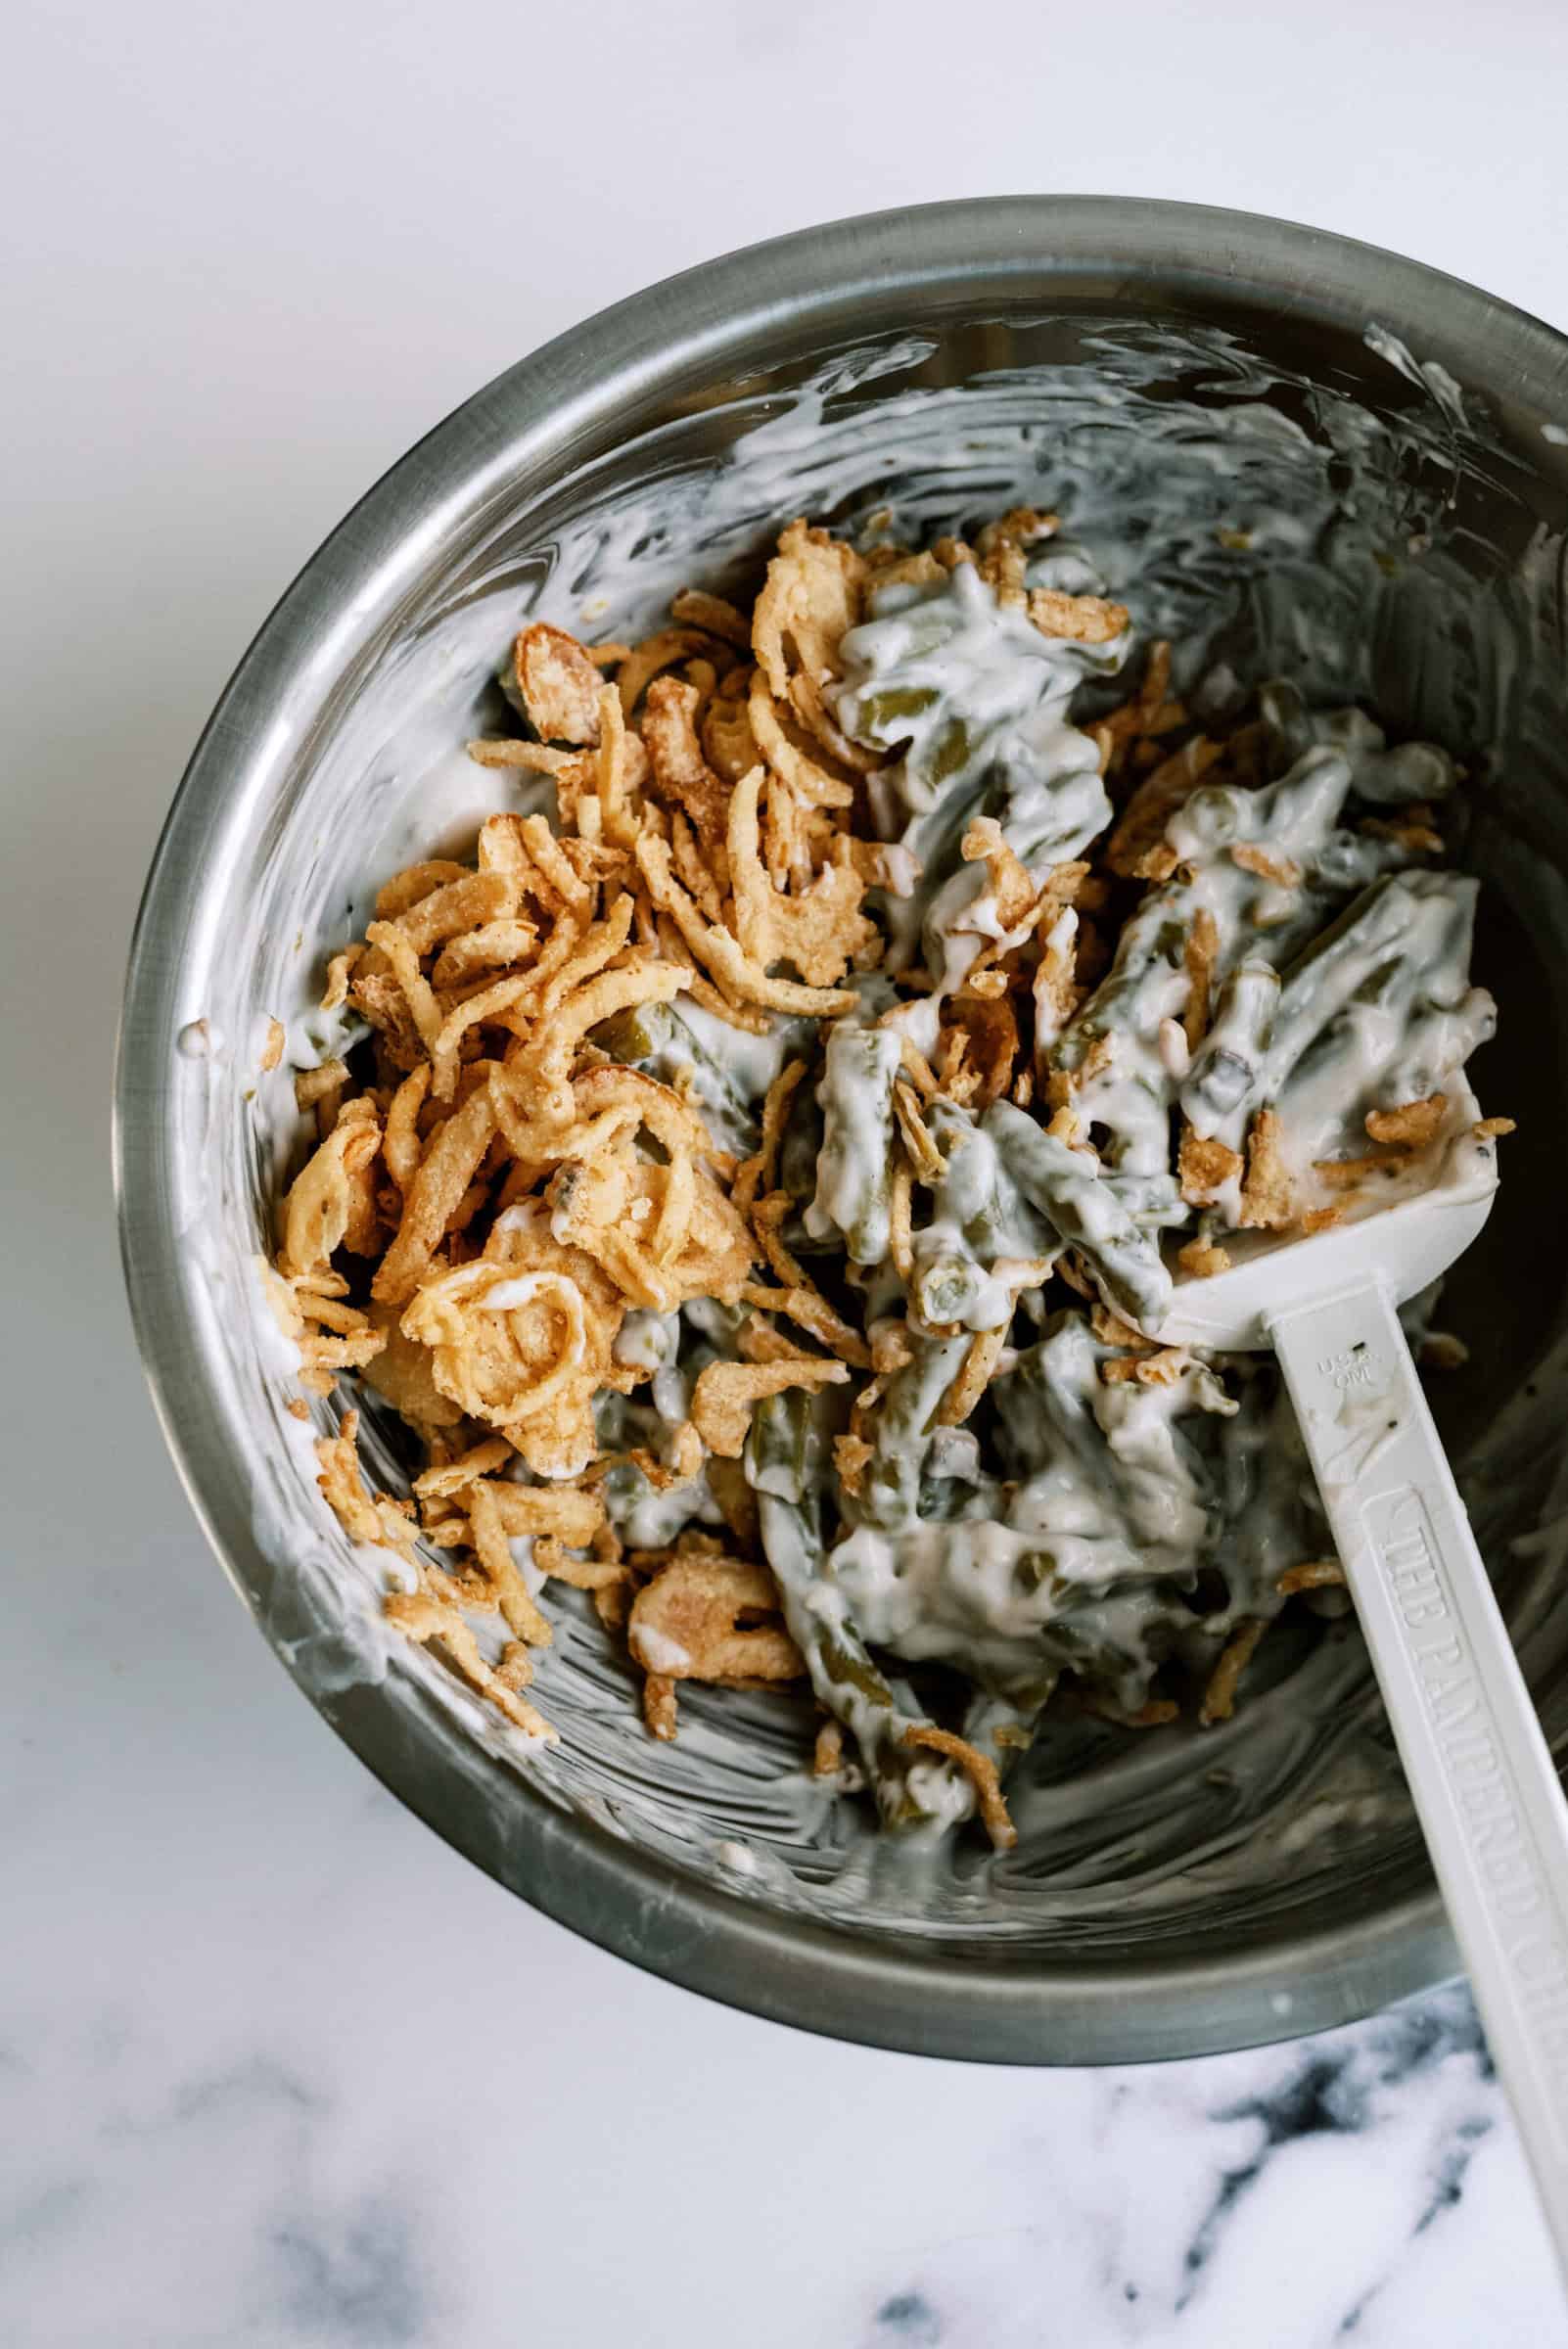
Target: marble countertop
x=281 y=2070
x=276 y=2067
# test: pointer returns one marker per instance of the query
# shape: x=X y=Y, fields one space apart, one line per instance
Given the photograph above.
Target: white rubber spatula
x=1484 y=1784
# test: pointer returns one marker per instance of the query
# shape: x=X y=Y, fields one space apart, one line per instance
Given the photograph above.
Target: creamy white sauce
x=1159 y=466
x=737 y=1857
x=974 y=698
x=855 y=1095
x=658 y=1653
x=646 y=1339
x=195 y=1040
x=1427 y=373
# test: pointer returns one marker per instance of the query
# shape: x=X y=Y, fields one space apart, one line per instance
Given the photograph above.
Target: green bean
x=1347 y=863
x=952 y=751
x=1066 y=1186
x=644 y=1517
x=633 y=1038
x=1144 y=981
x=910 y=674
x=979 y=1219
x=948 y=1287
x=1229 y=1061
x=1415 y=771
x=974 y=698
x=800 y=1145
x=1154 y=1202
x=1294 y=816
x=1438 y=1038
x=786 y=1457
x=853 y=1188
x=1149 y=982
x=1046 y=1401
x=786 y=1466
x=1048 y=800
x=1014 y=1714
x=878 y=712
x=1392 y=1028
x=1295 y=819
x=1399 y=935
x=905 y=1422
x=658 y=1041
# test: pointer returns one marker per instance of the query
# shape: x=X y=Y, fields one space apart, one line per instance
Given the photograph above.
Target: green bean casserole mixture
x=756 y=1177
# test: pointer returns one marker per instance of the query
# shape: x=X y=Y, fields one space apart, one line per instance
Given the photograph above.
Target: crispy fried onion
x=1219 y=1696
x=821 y=929
x=1138 y=849
x=435 y=1196
x=364 y=1517
x=1268 y=1198
x=1412 y=1125
x=429 y=1616
x=723 y=955
x=1315 y=1573
x=799 y=1300
x=332 y=1202
x=705 y=1618
x=755 y=1174
x=782 y=740
x=557 y=683
x=311 y=1309
x=522 y=1346
x=812 y=595
x=726 y=1393
x=680 y=774
x=662 y=1232
x=979 y=1768
x=650 y=659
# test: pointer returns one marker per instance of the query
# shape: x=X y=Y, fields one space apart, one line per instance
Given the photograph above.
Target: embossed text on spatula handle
x=1480 y=1772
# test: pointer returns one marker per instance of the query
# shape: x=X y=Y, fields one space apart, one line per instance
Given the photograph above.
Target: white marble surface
x=276 y=2068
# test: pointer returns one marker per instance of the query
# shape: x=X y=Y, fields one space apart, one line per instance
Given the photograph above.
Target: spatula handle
x=1479 y=1772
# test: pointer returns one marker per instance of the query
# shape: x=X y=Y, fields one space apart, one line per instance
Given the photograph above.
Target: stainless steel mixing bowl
x=1432 y=448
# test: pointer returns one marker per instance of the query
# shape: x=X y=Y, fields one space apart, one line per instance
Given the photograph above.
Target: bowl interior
x=1274 y=487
